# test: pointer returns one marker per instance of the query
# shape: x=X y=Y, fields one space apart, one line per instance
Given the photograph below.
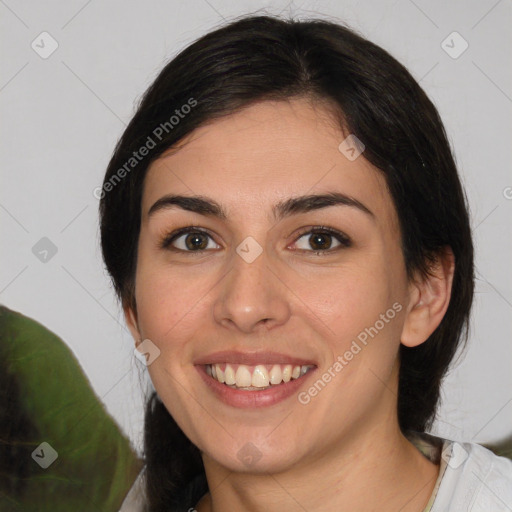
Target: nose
x=251 y=297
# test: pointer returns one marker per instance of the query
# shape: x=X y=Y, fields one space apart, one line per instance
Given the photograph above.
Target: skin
x=343 y=450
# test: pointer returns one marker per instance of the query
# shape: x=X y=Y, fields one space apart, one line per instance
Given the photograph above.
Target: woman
x=285 y=227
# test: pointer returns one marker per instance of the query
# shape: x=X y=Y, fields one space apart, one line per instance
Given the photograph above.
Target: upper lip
x=252 y=358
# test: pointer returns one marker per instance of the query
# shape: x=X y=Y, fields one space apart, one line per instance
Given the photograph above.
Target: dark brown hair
x=265 y=58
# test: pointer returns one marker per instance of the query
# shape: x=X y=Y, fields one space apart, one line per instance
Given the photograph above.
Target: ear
x=130 y=316
x=429 y=297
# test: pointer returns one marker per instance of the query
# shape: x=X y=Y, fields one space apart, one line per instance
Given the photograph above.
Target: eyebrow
x=292 y=206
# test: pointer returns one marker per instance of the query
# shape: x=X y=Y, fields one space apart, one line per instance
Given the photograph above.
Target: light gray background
x=61 y=117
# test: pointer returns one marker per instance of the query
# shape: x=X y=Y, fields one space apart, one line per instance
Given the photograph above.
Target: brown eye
x=321 y=240
x=189 y=240
x=195 y=241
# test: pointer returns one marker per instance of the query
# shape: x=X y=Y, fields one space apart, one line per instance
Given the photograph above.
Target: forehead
x=267 y=152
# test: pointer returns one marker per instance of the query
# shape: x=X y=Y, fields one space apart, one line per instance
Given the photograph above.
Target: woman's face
x=266 y=283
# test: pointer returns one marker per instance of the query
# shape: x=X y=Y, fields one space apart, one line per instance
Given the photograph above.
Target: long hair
x=375 y=98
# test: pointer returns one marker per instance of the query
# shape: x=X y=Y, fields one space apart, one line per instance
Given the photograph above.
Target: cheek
x=347 y=300
x=168 y=299
x=365 y=318
x=363 y=309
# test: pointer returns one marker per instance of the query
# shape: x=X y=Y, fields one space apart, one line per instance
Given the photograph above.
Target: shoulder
x=474 y=479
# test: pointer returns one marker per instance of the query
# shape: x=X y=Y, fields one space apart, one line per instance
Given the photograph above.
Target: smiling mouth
x=255 y=378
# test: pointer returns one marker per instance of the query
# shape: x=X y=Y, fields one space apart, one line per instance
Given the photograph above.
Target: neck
x=378 y=469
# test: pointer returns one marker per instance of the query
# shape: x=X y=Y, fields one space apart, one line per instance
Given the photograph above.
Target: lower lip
x=251 y=399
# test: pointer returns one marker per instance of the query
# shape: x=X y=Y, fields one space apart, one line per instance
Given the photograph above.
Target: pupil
x=193 y=241
x=319 y=239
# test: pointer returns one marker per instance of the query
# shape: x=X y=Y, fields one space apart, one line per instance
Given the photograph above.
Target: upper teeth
x=260 y=376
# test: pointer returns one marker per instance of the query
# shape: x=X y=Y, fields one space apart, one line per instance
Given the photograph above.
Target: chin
x=255 y=454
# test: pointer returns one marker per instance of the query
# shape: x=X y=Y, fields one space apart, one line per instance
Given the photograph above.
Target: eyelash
x=343 y=239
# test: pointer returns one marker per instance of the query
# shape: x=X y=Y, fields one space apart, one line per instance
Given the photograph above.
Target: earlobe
x=429 y=300
x=131 y=321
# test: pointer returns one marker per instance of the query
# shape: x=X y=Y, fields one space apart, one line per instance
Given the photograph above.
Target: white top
x=471 y=478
